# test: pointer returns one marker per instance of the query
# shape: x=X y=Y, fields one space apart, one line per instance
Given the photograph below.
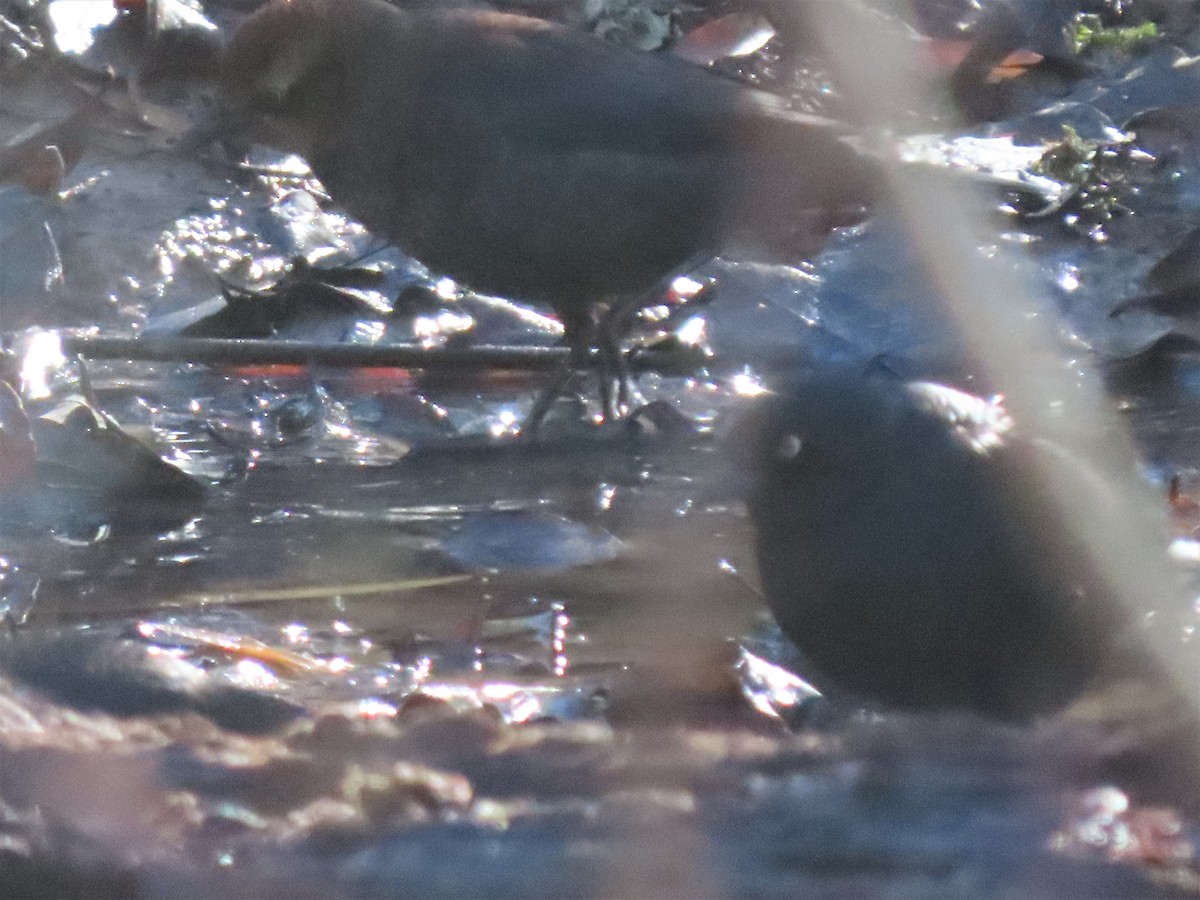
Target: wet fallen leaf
x=237 y=646
x=947 y=55
x=1164 y=129
x=40 y=160
x=735 y=34
x=1179 y=269
x=1180 y=302
x=80 y=445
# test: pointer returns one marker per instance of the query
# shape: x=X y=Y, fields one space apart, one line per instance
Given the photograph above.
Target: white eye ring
x=788 y=447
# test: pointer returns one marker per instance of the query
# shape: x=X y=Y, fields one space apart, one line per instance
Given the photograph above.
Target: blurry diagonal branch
x=1015 y=334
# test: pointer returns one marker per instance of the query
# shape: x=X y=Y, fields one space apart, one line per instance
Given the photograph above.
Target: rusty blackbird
x=907 y=550
x=531 y=161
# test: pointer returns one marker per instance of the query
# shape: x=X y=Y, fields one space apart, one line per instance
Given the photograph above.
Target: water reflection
x=316 y=601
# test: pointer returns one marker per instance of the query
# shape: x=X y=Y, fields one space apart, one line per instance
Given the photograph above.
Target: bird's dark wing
x=554 y=89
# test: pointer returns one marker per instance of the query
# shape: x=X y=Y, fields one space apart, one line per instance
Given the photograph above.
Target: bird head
x=842 y=436
x=277 y=70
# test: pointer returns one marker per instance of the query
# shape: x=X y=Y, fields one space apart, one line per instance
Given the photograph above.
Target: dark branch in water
x=241 y=352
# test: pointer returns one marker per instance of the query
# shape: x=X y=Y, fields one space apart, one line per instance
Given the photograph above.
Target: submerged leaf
x=735 y=34
x=39 y=160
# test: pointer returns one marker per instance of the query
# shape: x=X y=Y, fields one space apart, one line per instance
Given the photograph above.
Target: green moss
x=1068 y=161
x=1095 y=174
x=1088 y=33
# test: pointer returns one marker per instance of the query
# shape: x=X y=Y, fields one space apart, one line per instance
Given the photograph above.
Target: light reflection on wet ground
x=254 y=694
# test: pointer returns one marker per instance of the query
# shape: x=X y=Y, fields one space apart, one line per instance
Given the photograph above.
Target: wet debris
x=995 y=32
x=1160 y=360
x=1168 y=133
x=1103 y=823
x=517 y=540
x=632 y=23
x=40 y=159
x=701 y=36
x=1173 y=285
x=1001 y=164
x=243 y=595
x=126 y=674
x=81 y=447
x=731 y=36
x=659 y=418
x=248 y=677
x=774 y=690
x=1096 y=177
x=303 y=294
x=71 y=464
x=1179 y=270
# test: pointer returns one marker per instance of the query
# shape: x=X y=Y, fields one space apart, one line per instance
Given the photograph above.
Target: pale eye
x=270 y=98
x=788 y=447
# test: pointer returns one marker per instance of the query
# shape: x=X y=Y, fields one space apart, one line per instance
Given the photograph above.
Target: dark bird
x=527 y=160
x=907 y=549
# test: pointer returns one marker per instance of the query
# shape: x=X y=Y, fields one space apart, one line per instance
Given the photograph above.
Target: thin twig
x=239 y=352
x=310 y=592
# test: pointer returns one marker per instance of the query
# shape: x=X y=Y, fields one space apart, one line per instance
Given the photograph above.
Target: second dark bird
x=908 y=549
x=527 y=160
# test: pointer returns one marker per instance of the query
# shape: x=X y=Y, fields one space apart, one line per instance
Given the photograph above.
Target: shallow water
x=393 y=652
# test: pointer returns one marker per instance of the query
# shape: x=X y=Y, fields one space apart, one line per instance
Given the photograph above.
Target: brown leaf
x=41 y=160
x=735 y=34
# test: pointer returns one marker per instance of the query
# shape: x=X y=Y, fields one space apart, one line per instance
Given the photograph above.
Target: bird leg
x=607 y=360
x=616 y=324
x=545 y=400
x=604 y=333
x=612 y=363
x=579 y=327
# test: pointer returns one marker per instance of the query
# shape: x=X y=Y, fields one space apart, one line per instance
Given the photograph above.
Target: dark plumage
x=528 y=160
x=909 y=552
